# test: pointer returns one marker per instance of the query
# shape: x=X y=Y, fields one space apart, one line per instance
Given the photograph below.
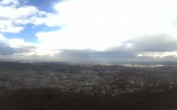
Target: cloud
x=7 y=46
x=93 y=56
x=158 y=54
x=129 y=51
x=159 y=46
x=19 y=47
x=156 y=43
x=76 y=39
x=93 y=30
x=111 y=31
x=13 y=19
x=143 y=48
x=37 y=52
x=100 y=25
x=19 y=43
x=5 y=49
x=9 y=2
x=159 y=43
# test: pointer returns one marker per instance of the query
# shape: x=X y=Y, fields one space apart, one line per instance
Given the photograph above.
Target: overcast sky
x=88 y=30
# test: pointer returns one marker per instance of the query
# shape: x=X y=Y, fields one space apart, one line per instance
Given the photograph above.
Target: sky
x=88 y=30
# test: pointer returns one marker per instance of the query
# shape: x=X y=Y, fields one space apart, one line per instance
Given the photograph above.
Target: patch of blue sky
x=29 y=33
x=45 y=5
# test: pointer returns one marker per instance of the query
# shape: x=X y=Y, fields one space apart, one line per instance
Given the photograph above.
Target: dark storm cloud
x=95 y=56
x=127 y=51
x=160 y=43
x=5 y=49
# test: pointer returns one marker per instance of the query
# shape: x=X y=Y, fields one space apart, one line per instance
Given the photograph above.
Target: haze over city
x=88 y=30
